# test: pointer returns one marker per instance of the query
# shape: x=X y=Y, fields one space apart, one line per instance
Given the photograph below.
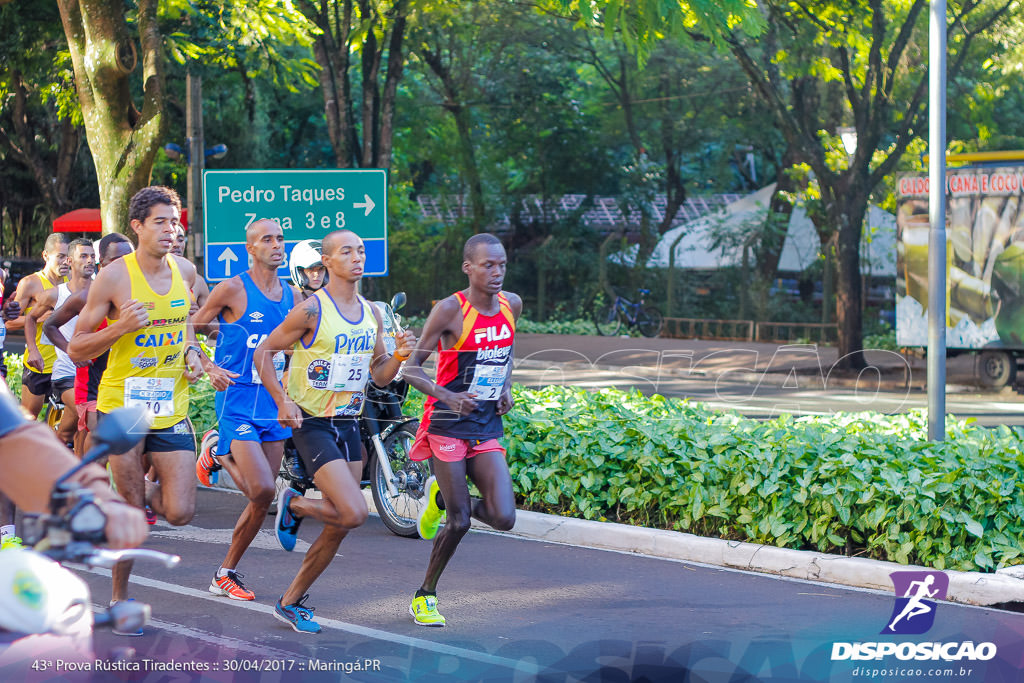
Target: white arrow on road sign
x=227 y=256
x=368 y=205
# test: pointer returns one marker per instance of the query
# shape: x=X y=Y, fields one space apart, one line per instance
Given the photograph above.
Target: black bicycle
x=647 y=319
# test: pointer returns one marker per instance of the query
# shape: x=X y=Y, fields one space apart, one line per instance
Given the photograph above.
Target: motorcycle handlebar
x=101 y=557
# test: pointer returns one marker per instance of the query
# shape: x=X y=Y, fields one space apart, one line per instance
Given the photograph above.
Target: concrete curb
x=971 y=588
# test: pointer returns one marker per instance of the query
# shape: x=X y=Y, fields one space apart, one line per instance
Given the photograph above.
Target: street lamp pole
x=197 y=161
x=937 y=218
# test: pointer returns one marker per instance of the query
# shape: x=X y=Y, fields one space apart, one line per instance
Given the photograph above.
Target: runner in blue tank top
x=247 y=308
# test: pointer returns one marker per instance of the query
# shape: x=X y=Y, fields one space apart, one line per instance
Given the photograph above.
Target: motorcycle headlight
x=88 y=519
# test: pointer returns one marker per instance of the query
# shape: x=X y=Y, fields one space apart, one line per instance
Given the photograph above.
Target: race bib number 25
x=349 y=372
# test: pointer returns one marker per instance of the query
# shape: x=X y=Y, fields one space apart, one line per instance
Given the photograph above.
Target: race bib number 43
x=155 y=393
x=349 y=372
x=488 y=381
x=278 y=368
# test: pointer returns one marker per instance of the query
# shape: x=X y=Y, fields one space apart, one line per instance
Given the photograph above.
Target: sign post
x=308 y=204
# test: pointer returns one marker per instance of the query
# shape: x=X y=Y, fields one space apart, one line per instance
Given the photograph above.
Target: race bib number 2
x=155 y=393
x=488 y=381
x=349 y=372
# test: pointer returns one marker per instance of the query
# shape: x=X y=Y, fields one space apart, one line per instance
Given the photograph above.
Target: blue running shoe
x=120 y=632
x=297 y=615
x=287 y=523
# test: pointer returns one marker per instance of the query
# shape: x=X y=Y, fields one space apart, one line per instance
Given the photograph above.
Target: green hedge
x=859 y=484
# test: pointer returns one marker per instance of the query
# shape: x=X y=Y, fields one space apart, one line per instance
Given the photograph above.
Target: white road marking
x=518 y=666
x=265 y=540
x=217 y=639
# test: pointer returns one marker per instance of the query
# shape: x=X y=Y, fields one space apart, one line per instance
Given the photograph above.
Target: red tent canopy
x=88 y=220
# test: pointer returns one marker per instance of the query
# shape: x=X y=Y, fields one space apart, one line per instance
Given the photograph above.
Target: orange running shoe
x=207 y=466
x=231 y=585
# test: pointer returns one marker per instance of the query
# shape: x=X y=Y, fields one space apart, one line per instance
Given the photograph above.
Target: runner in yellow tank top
x=35 y=381
x=148 y=367
x=153 y=357
x=336 y=339
x=35 y=378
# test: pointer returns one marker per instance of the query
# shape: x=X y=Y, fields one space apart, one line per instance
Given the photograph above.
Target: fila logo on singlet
x=492 y=334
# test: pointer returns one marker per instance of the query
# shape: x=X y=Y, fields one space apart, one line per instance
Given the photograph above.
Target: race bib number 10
x=488 y=381
x=349 y=371
x=155 y=393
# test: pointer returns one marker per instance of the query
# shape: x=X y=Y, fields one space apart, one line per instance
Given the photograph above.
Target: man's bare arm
x=28 y=287
x=297 y=323
x=105 y=294
x=385 y=367
x=441 y=320
x=220 y=300
x=43 y=304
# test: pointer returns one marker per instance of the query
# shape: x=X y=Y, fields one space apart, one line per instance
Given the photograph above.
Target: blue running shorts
x=246 y=412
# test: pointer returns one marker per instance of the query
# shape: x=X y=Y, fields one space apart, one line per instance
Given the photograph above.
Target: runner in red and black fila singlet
x=478 y=363
x=474 y=332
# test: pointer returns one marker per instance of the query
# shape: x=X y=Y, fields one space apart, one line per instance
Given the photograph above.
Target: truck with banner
x=984 y=265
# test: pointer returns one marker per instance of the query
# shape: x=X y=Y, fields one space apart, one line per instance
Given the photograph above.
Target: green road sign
x=307 y=203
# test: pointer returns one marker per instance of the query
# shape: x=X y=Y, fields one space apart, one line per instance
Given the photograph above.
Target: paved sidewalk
x=810 y=365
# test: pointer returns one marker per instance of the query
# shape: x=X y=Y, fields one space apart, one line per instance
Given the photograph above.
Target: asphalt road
x=517 y=610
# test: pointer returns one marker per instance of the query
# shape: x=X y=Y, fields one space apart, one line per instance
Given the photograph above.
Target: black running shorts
x=322 y=439
x=37 y=383
x=177 y=437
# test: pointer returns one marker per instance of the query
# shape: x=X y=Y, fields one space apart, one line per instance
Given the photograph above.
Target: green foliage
x=13 y=363
x=642 y=24
x=201 y=409
x=255 y=37
x=858 y=484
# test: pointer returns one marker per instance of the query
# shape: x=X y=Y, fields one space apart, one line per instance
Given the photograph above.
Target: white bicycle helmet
x=306 y=254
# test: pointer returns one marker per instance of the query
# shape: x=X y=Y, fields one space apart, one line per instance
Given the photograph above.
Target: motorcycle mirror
x=121 y=429
x=398 y=301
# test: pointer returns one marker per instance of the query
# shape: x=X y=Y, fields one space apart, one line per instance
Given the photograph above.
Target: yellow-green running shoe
x=431 y=516
x=424 y=611
x=11 y=543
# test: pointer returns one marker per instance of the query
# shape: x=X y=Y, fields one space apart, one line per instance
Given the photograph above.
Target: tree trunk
x=670 y=286
x=396 y=65
x=370 y=142
x=780 y=211
x=331 y=52
x=847 y=212
x=123 y=141
x=453 y=98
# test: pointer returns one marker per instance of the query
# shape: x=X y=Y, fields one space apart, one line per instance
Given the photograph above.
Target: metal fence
x=748 y=330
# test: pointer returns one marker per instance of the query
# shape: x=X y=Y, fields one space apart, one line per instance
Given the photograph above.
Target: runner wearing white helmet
x=307 y=268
